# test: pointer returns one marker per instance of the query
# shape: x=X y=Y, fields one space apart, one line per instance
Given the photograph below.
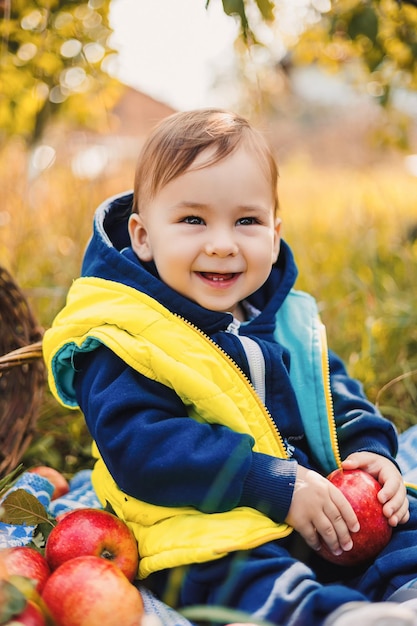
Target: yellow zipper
x=242 y=375
x=328 y=396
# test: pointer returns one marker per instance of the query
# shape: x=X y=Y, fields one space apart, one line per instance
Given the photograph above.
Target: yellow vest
x=165 y=348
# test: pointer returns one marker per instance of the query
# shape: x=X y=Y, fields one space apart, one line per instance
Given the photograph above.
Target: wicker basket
x=22 y=373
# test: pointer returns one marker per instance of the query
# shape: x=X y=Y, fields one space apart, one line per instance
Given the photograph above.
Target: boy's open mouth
x=218 y=278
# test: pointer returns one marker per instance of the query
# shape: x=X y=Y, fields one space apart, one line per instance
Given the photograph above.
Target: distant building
x=91 y=154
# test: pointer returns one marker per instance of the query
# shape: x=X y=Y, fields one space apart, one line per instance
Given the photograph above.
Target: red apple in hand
x=93 y=532
x=361 y=490
x=60 y=483
x=90 y=591
x=28 y=562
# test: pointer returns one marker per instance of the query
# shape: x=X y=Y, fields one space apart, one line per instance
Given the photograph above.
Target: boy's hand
x=319 y=509
x=393 y=493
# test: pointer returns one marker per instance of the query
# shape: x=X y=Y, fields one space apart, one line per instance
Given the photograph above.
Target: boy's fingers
x=312 y=539
x=335 y=532
x=346 y=512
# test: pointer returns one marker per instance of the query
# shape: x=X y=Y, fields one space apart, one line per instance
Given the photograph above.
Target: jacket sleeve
x=158 y=454
x=360 y=426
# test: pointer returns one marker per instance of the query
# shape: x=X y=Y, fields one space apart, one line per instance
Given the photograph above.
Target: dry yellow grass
x=354 y=235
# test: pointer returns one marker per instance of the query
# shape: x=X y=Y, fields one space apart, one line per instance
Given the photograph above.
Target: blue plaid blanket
x=82 y=495
x=407 y=454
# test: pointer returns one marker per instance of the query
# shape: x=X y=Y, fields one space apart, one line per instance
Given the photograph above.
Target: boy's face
x=212 y=232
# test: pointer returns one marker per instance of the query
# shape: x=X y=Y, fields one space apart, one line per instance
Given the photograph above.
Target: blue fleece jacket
x=153 y=450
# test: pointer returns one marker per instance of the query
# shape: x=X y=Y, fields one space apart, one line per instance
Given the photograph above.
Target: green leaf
x=237 y=7
x=267 y=9
x=12 y=601
x=21 y=507
x=24 y=584
x=234 y=7
x=42 y=532
x=364 y=22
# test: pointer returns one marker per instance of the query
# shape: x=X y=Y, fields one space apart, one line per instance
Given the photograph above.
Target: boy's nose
x=221 y=244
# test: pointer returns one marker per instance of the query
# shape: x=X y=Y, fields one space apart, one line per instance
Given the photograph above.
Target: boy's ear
x=277 y=239
x=139 y=237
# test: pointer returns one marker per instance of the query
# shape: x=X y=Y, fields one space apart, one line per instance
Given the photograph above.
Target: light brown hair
x=176 y=142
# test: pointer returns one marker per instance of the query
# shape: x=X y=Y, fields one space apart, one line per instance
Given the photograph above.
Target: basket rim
x=21 y=355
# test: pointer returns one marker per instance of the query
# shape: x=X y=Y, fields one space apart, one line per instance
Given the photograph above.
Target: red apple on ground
x=28 y=562
x=90 y=591
x=361 y=490
x=93 y=532
x=60 y=483
x=30 y=616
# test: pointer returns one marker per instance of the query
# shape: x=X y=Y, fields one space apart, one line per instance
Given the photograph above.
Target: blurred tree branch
x=53 y=58
x=54 y=55
x=373 y=42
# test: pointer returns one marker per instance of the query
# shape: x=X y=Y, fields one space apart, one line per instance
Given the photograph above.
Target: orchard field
x=354 y=234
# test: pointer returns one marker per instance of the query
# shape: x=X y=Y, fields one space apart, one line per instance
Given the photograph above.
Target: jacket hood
x=109 y=256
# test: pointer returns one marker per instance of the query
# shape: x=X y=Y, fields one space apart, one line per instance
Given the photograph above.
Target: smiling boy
x=212 y=231
x=215 y=407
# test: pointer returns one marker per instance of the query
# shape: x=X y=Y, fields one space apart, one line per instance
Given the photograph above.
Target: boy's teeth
x=218 y=277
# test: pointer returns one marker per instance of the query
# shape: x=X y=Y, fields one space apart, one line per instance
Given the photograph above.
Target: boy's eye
x=193 y=219
x=245 y=221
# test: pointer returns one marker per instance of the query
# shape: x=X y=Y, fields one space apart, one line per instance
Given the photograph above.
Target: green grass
x=350 y=231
